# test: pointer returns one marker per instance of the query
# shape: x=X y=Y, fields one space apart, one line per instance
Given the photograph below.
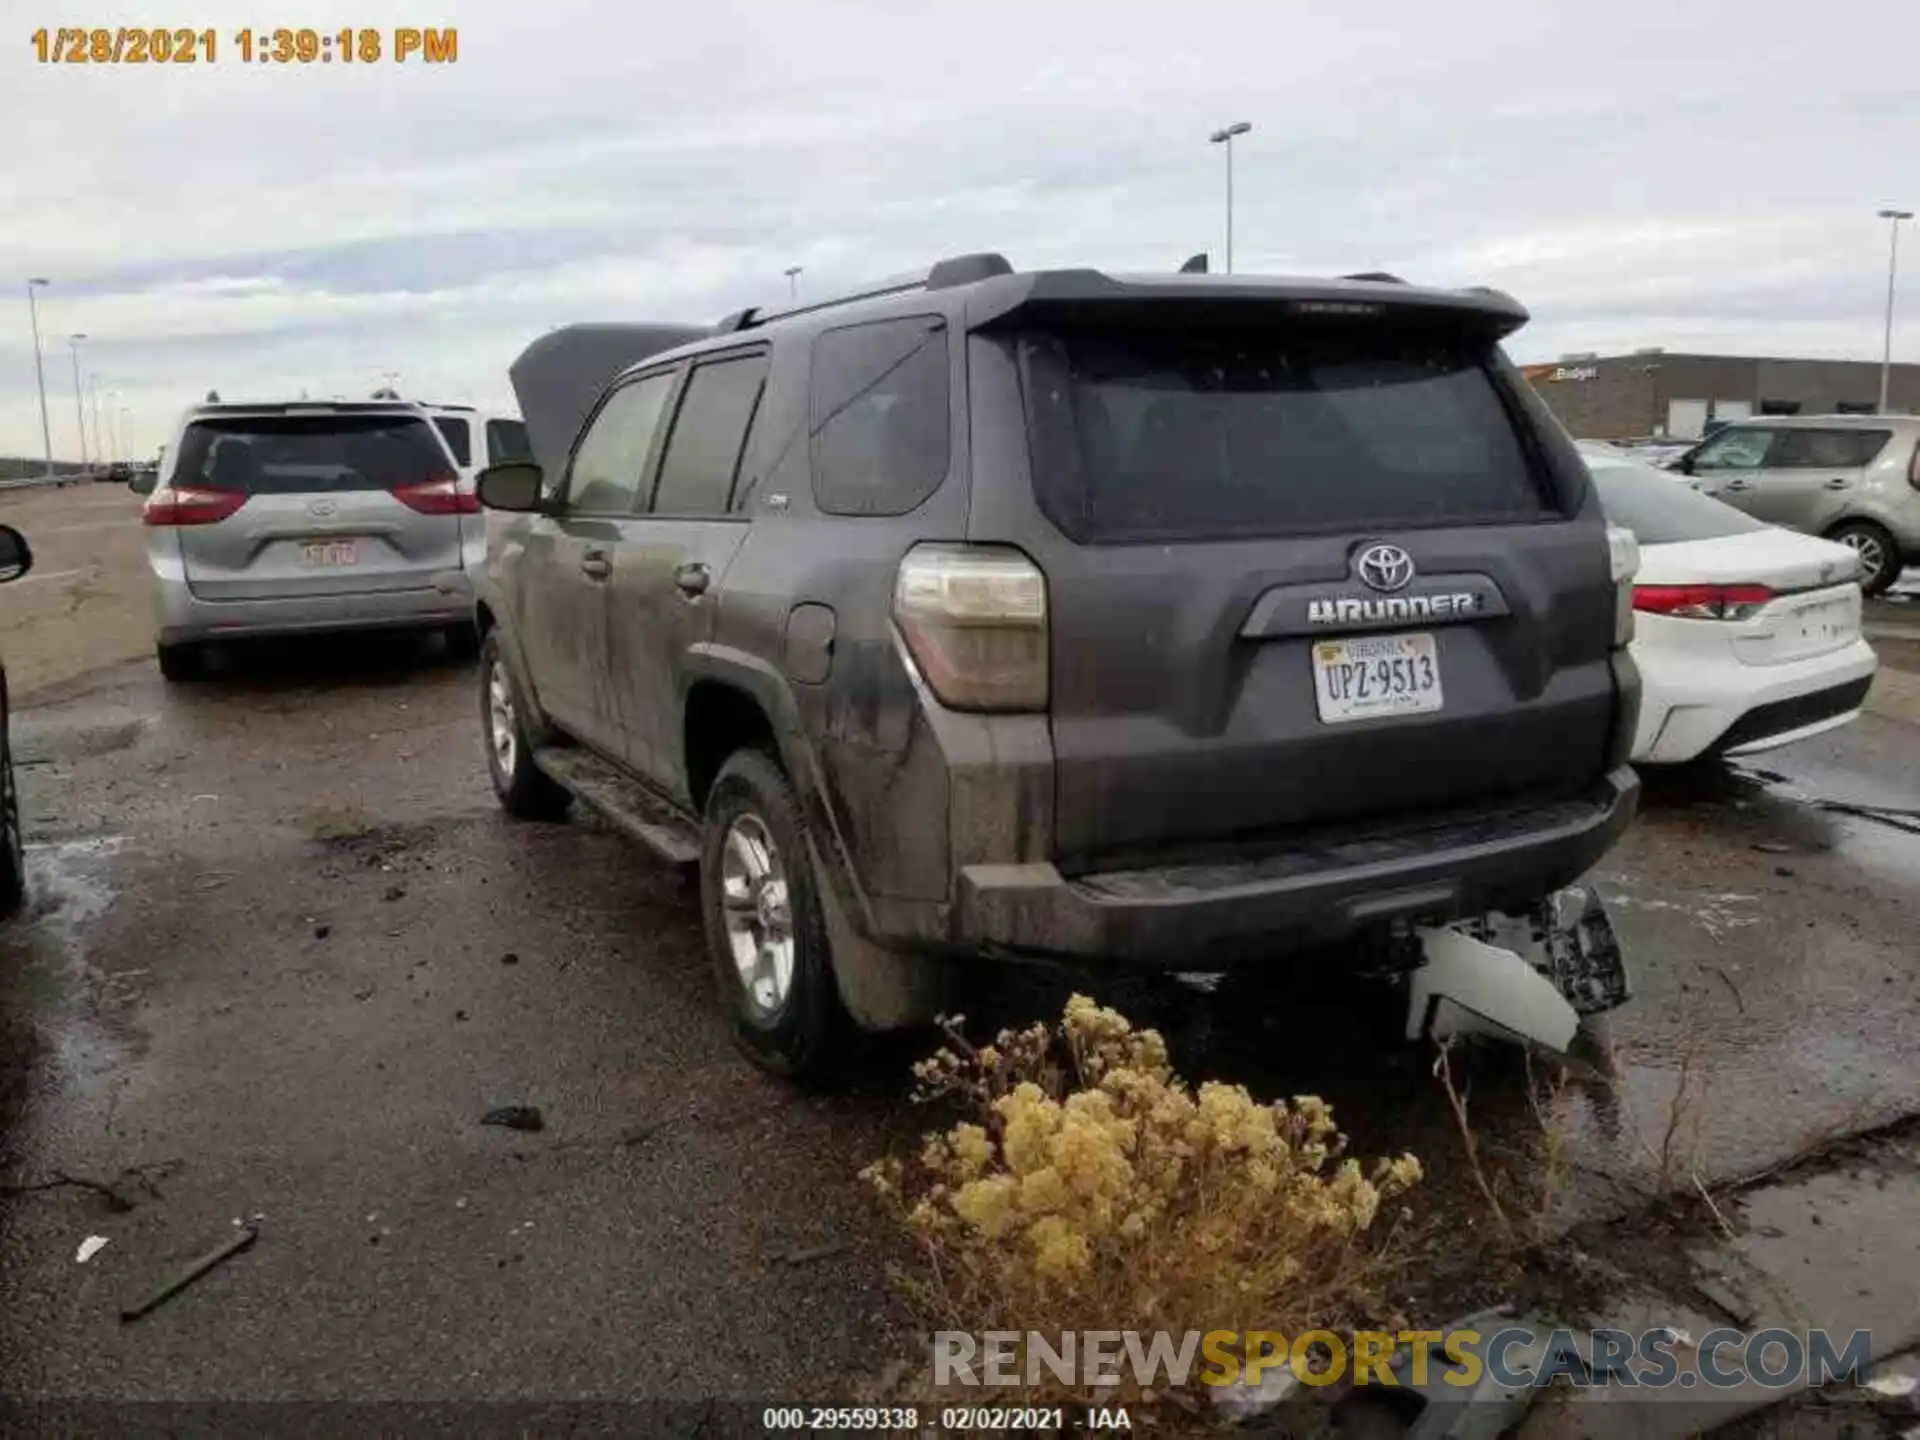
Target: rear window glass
x=1661 y=508
x=304 y=454
x=458 y=437
x=507 y=440
x=1190 y=434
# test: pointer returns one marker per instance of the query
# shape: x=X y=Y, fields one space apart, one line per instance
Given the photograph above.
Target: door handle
x=595 y=565
x=1738 y=485
x=693 y=579
x=1836 y=483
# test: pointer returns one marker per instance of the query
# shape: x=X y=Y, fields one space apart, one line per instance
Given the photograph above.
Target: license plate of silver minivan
x=1367 y=676
x=329 y=552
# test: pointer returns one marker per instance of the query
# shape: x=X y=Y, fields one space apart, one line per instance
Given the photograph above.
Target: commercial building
x=1652 y=392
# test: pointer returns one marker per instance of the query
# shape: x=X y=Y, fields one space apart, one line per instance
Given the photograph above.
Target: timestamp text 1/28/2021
x=150 y=45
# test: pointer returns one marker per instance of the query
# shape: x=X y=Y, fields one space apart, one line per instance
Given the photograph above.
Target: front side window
x=1744 y=448
x=612 y=456
x=879 y=423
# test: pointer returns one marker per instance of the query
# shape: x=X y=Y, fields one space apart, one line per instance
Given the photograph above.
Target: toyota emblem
x=1384 y=567
x=321 y=508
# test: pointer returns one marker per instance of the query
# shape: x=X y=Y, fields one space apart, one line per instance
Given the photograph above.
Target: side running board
x=627 y=804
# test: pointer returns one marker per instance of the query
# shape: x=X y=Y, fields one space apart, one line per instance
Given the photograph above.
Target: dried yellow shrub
x=1089 y=1187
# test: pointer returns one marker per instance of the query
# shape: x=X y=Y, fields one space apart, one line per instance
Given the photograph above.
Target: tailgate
x=1304 y=580
x=323 y=513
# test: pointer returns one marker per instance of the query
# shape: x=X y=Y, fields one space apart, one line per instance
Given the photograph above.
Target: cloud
x=1637 y=174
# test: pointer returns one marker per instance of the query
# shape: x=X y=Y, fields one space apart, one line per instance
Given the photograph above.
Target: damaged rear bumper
x=1333 y=887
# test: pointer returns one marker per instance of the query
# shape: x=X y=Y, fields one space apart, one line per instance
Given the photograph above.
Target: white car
x=1747 y=636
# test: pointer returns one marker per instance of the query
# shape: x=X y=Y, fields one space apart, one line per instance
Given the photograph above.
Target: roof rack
x=942 y=275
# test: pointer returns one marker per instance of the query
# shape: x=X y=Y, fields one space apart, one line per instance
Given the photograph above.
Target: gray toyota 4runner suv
x=1176 y=622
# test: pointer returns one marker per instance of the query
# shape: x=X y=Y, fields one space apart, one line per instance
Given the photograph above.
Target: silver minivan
x=277 y=519
x=1851 y=478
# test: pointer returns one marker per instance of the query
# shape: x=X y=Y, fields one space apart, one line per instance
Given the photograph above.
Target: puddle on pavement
x=85 y=1055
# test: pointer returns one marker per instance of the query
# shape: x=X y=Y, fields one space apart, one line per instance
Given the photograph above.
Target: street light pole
x=1893 y=219
x=39 y=374
x=793 y=281
x=93 y=390
x=79 y=405
x=1224 y=136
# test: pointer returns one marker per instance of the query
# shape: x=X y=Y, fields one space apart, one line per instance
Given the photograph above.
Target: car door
x=567 y=560
x=672 y=557
x=1812 y=474
x=1728 y=466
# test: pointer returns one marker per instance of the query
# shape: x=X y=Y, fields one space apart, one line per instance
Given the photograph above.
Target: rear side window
x=507 y=440
x=879 y=422
x=307 y=454
x=1661 y=508
x=1827 y=449
x=1216 y=433
x=458 y=436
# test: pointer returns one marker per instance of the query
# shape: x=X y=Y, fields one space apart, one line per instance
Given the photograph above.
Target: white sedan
x=1746 y=636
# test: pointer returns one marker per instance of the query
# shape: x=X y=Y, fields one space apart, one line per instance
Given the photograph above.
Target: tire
x=1879 y=553
x=13 y=850
x=756 y=837
x=524 y=790
x=463 y=642
x=180 y=663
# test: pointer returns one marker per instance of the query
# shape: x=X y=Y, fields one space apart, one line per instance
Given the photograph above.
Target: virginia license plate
x=329 y=552
x=1372 y=675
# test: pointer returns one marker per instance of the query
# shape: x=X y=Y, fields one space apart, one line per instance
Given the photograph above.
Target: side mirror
x=16 y=556
x=512 y=485
x=143 y=482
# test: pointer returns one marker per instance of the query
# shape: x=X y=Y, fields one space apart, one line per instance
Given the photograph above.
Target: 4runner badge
x=1384 y=567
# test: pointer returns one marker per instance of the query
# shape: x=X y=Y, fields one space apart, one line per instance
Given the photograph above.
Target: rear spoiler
x=1194 y=297
x=560 y=376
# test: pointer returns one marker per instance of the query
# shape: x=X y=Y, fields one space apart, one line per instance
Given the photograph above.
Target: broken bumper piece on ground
x=1526 y=977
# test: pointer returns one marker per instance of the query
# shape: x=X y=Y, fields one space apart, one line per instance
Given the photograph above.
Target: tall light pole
x=1893 y=219
x=793 y=281
x=39 y=374
x=79 y=405
x=93 y=390
x=1224 y=137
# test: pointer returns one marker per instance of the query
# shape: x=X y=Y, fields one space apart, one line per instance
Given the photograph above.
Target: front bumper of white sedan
x=1701 y=697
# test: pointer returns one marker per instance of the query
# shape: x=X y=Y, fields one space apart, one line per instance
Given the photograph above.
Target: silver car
x=1851 y=478
x=278 y=519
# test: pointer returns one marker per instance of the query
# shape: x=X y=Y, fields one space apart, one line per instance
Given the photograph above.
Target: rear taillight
x=438 y=495
x=1623 y=561
x=190 y=505
x=974 y=618
x=1701 y=602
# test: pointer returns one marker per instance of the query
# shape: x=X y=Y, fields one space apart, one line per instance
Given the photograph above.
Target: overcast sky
x=1695 y=175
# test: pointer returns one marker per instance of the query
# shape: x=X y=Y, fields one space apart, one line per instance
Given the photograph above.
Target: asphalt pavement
x=283 y=954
